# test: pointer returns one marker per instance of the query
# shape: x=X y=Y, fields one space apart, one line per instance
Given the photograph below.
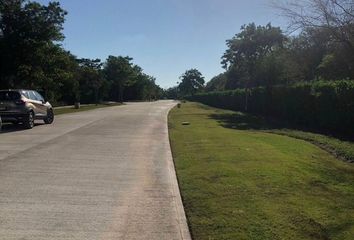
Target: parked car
x=24 y=106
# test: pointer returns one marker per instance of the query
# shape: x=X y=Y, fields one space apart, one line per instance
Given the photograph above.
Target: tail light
x=20 y=102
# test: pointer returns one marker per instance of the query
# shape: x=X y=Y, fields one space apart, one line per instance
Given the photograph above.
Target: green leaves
x=192 y=81
x=249 y=48
x=323 y=105
x=32 y=58
x=28 y=32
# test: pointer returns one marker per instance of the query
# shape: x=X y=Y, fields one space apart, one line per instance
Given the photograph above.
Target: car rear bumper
x=12 y=117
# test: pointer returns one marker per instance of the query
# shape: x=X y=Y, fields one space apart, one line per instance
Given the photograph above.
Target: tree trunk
x=246 y=99
x=121 y=91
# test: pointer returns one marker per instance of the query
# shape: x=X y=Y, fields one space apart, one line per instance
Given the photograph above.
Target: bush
x=322 y=105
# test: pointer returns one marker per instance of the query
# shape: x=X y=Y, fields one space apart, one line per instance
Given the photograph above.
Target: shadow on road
x=8 y=127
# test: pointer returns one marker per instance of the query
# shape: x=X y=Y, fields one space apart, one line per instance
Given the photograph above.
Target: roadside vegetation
x=322 y=105
x=64 y=110
x=303 y=74
x=240 y=181
x=32 y=57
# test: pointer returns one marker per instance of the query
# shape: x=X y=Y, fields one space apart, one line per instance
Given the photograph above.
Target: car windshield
x=9 y=95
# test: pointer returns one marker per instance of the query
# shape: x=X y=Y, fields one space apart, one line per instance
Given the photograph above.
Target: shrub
x=323 y=105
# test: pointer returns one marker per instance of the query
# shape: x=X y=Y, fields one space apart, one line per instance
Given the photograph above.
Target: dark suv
x=24 y=106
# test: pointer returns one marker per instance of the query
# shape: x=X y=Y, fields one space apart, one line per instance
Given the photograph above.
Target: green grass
x=240 y=182
x=82 y=108
x=237 y=120
x=343 y=150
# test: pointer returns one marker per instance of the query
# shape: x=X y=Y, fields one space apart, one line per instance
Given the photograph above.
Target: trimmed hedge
x=321 y=105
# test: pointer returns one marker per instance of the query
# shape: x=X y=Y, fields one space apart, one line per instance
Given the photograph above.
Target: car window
x=32 y=95
x=25 y=93
x=38 y=96
x=9 y=95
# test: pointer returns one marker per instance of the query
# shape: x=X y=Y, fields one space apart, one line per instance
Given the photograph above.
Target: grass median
x=240 y=182
x=58 y=111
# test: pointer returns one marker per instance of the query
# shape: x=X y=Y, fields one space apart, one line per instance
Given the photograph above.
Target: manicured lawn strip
x=251 y=184
x=339 y=148
x=238 y=120
x=83 y=108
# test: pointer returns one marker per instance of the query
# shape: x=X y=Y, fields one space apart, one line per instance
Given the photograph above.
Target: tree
x=171 y=93
x=247 y=49
x=119 y=72
x=217 y=83
x=90 y=79
x=31 y=56
x=334 y=17
x=143 y=86
x=337 y=16
x=191 y=82
x=29 y=33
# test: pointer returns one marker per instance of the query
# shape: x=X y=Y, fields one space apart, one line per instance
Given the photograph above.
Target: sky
x=164 y=37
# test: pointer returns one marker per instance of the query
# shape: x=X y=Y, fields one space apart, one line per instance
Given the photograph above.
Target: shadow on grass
x=243 y=121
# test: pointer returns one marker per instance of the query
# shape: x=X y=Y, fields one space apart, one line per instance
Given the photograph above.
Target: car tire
x=28 y=121
x=50 y=117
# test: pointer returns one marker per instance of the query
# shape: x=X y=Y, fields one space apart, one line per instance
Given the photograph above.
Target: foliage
x=119 y=72
x=65 y=110
x=320 y=46
x=327 y=106
x=217 y=83
x=336 y=16
x=192 y=81
x=171 y=93
x=90 y=78
x=32 y=57
x=250 y=48
x=28 y=32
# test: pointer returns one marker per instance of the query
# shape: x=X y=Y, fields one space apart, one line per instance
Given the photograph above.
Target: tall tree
x=217 y=83
x=119 y=72
x=247 y=49
x=29 y=33
x=191 y=82
x=90 y=79
x=335 y=18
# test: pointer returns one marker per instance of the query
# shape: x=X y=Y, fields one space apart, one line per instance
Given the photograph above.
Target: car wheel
x=28 y=122
x=50 y=117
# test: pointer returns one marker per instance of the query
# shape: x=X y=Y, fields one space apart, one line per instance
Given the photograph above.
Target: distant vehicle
x=24 y=106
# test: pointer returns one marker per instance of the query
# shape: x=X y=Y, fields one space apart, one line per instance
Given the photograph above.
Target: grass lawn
x=59 y=111
x=240 y=182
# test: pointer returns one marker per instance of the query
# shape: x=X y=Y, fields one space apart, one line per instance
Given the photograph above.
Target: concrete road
x=103 y=174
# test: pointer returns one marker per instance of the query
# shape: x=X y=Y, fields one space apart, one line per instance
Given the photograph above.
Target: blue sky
x=165 y=37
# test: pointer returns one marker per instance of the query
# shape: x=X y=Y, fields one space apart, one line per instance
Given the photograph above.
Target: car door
x=42 y=105
x=37 y=104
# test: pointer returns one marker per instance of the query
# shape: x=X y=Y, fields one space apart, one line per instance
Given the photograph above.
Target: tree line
x=305 y=78
x=32 y=57
x=319 y=45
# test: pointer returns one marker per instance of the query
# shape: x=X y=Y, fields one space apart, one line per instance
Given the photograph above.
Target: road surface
x=102 y=174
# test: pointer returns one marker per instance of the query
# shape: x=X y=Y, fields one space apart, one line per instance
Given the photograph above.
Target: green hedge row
x=322 y=105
